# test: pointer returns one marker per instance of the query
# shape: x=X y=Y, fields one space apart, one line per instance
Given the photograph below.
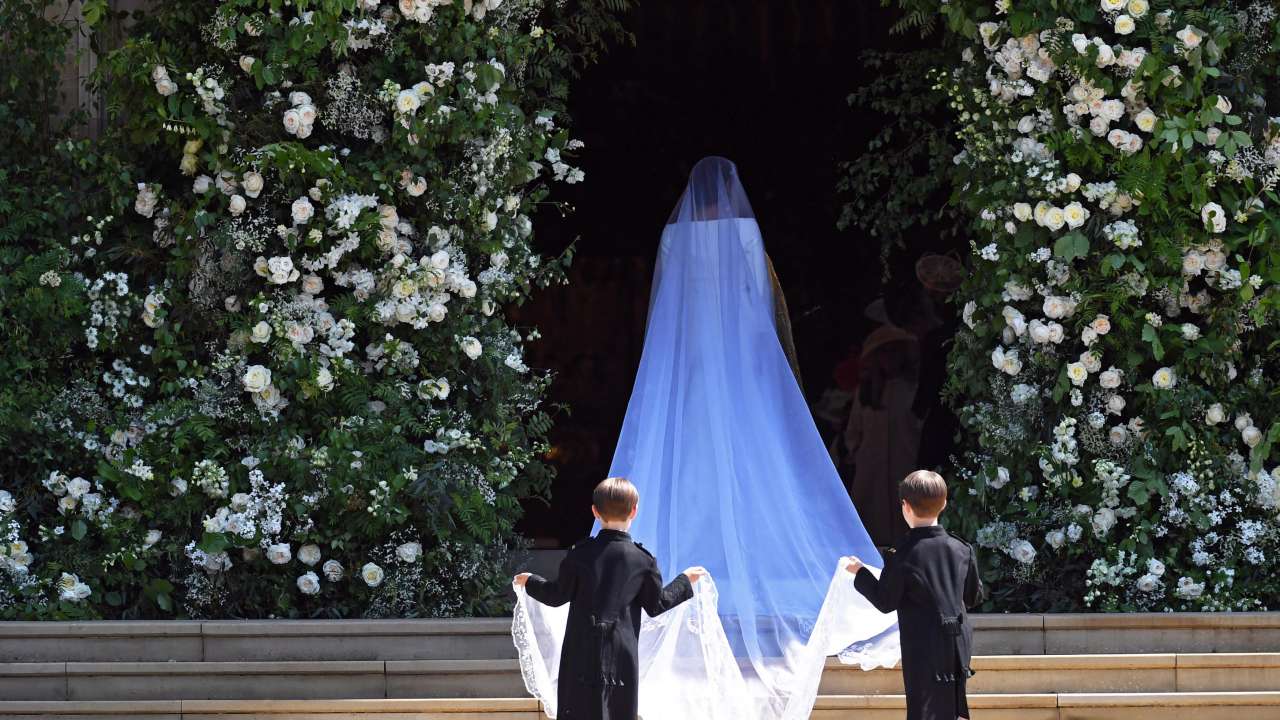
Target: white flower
x=7 y=503
x=309 y=584
x=1215 y=414
x=371 y=574
x=71 y=589
x=202 y=184
x=302 y=211
x=292 y=121
x=1243 y=420
x=147 y=199
x=312 y=285
x=237 y=204
x=1023 y=552
x=78 y=487
x=1124 y=25
x=1119 y=435
x=1138 y=8
x=280 y=270
x=1103 y=520
x=324 y=379
x=1115 y=404
x=1001 y=479
x=1022 y=211
x=1081 y=42
x=1155 y=567
x=152 y=537
x=471 y=347
x=1148 y=583
x=1111 y=6
x=260 y=334
x=1091 y=361
x=332 y=570
x=967 y=313
x=246 y=63
x=309 y=554
x=1189 y=589
x=1213 y=216
x=1223 y=105
x=1077 y=373
x=1164 y=378
x=409 y=552
x=1055 y=539
x=256 y=379
x=1190 y=37
x=1145 y=120
x=177 y=487
x=252 y=183
x=408 y=101
x=1251 y=436
x=1075 y=214
x=279 y=553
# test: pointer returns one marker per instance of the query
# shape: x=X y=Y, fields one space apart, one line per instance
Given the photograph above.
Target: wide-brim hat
x=883 y=336
x=940 y=273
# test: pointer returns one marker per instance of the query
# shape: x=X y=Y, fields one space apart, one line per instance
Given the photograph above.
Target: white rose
x=1155 y=567
x=1148 y=583
x=153 y=537
x=78 y=487
x=1215 y=414
x=1103 y=520
x=490 y=221
x=1055 y=538
x=1124 y=25
x=237 y=204
x=260 y=334
x=1119 y=435
x=202 y=184
x=1190 y=37
x=246 y=63
x=1211 y=135
x=1101 y=324
x=166 y=87
x=1077 y=373
x=1213 y=216
x=1164 y=378
x=1056 y=307
x=302 y=211
x=256 y=379
x=1243 y=421
x=1138 y=8
x=1115 y=404
x=1081 y=42
x=1040 y=332
x=312 y=285
x=1190 y=332
x=1022 y=211
x=252 y=183
x=1112 y=5
x=1023 y=552
x=1223 y=105
x=407 y=102
x=309 y=584
x=292 y=121
x=1145 y=120
x=279 y=553
x=1091 y=361
x=1001 y=479
x=1075 y=214
x=471 y=347
x=280 y=270
x=309 y=554
x=306 y=114
x=1251 y=436
x=409 y=552
x=1192 y=264
x=332 y=570
x=372 y=574
x=1054 y=219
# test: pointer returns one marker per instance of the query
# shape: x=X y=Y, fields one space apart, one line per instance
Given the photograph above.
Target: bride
x=732 y=476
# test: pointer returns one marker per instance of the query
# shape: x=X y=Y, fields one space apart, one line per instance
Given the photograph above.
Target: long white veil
x=733 y=476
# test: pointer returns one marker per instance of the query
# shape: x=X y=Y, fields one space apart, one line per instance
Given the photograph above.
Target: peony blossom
x=279 y=553
x=309 y=554
x=1165 y=378
x=309 y=583
x=371 y=574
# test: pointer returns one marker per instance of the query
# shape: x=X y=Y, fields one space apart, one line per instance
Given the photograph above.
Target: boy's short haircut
x=614 y=498
x=925 y=491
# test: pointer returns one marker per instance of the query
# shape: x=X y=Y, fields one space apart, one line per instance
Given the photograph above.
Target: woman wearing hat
x=883 y=435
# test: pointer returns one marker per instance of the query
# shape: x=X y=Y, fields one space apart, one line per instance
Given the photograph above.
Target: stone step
x=490 y=639
x=1045 y=706
x=1006 y=674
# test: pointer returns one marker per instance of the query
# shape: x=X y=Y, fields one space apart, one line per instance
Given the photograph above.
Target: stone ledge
x=451 y=667
x=101 y=629
x=1170 y=700
x=1205 y=621
x=337 y=707
x=361 y=628
x=334 y=667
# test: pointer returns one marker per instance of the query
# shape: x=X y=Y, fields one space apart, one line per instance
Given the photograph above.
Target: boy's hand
x=695 y=574
x=853 y=564
x=521 y=579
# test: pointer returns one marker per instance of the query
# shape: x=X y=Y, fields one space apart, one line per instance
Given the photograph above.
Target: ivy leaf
x=1071 y=246
x=1150 y=335
x=79 y=529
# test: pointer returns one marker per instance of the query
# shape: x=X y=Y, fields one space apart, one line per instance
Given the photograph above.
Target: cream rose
x=371 y=574
x=256 y=379
x=279 y=553
x=1215 y=414
x=252 y=183
x=309 y=554
x=302 y=211
x=1124 y=25
x=309 y=584
x=332 y=570
x=260 y=333
x=1165 y=378
x=1077 y=373
x=471 y=347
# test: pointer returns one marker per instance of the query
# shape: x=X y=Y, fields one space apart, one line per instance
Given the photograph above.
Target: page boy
x=606 y=580
x=930 y=579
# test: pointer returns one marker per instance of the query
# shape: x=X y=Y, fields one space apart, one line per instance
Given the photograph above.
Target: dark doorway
x=762 y=82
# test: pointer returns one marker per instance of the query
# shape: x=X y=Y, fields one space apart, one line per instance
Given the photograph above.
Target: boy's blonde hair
x=925 y=491
x=614 y=498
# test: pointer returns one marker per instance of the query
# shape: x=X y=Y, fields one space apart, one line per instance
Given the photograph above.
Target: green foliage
x=257 y=358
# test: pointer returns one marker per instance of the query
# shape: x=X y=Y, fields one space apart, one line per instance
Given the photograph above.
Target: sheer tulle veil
x=733 y=476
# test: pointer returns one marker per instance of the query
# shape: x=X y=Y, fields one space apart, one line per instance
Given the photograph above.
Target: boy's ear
x=634 y=510
x=596 y=513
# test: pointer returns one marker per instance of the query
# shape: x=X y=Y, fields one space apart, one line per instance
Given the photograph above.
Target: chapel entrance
x=763 y=83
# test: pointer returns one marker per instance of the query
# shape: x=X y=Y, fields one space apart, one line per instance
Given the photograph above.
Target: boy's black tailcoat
x=930 y=579
x=607 y=580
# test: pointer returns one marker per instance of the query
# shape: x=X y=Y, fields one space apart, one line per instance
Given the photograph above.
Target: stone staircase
x=1030 y=667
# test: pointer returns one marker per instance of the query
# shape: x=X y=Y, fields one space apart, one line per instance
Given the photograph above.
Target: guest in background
x=939 y=276
x=882 y=435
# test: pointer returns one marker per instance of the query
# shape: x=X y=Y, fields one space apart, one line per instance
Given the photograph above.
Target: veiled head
x=714 y=192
